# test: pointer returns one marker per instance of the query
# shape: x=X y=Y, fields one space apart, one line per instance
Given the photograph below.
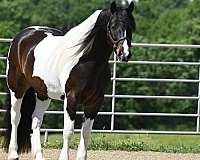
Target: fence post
x=113 y=93
x=46 y=138
x=198 y=107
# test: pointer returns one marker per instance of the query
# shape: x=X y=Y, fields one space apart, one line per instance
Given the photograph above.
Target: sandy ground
x=114 y=155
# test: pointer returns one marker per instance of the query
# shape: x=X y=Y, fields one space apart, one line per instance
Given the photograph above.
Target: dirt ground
x=114 y=155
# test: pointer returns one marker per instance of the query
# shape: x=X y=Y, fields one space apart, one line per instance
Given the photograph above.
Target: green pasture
x=136 y=142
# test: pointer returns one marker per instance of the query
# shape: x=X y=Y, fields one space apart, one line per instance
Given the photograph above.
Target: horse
x=44 y=63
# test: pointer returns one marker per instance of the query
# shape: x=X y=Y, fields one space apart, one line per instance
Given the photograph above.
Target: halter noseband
x=110 y=35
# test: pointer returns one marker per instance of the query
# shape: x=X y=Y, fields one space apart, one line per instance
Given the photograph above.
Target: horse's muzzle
x=121 y=55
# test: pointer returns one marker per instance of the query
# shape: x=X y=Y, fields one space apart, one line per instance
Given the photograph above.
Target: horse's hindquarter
x=30 y=57
x=21 y=57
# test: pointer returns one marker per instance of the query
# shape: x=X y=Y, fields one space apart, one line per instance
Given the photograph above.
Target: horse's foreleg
x=15 y=119
x=69 y=115
x=40 y=108
x=85 y=136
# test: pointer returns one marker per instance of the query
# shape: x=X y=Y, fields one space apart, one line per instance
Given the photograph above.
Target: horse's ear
x=131 y=7
x=113 y=7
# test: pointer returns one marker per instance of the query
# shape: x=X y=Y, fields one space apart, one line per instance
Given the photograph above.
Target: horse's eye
x=112 y=27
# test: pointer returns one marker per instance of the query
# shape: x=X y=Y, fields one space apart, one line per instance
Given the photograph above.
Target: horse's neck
x=100 y=51
x=102 y=48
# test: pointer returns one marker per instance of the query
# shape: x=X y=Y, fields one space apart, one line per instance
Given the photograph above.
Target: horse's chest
x=88 y=77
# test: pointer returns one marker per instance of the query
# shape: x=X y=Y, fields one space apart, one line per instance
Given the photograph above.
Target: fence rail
x=115 y=96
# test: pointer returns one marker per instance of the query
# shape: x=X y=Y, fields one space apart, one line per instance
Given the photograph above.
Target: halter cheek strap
x=109 y=35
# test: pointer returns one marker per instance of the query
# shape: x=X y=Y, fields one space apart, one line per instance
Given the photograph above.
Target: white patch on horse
x=38 y=27
x=125 y=45
x=35 y=27
x=67 y=133
x=55 y=56
x=15 y=119
x=40 y=108
x=85 y=136
x=7 y=63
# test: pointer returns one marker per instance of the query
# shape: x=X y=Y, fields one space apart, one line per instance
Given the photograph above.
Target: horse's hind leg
x=15 y=119
x=17 y=91
x=40 y=108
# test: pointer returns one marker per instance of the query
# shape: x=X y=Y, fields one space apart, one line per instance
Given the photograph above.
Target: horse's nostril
x=115 y=49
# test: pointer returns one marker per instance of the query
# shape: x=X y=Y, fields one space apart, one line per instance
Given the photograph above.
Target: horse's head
x=119 y=30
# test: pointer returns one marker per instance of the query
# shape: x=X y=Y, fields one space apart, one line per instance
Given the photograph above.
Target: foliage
x=161 y=22
x=166 y=21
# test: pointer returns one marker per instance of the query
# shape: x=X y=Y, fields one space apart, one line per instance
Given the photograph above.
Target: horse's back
x=26 y=41
x=54 y=31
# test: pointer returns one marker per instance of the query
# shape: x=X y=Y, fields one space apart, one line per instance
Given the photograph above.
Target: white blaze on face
x=125 y=45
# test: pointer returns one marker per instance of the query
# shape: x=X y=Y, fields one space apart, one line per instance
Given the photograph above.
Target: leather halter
x=109 y=35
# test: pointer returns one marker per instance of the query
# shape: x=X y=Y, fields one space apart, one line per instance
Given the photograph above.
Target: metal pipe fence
x=113 y=113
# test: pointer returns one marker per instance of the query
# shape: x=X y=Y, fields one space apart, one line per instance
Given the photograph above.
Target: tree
x=166 y=21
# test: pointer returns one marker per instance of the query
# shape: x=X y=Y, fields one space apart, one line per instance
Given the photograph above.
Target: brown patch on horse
x=21 y=63
x=87 y=88
x=120 y=48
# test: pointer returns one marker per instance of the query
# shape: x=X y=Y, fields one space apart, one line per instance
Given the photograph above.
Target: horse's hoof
x=63 y=158
x=39 y=158
x=13 y=156
x=63 y=155
x=81 y=158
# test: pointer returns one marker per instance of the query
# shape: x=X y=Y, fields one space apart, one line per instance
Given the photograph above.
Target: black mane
x=99 y=32
x=99 y=27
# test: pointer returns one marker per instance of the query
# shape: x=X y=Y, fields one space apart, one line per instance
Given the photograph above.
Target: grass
x=136 y=142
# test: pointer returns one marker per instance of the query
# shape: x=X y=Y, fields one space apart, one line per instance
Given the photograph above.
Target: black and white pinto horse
x=45 y=64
